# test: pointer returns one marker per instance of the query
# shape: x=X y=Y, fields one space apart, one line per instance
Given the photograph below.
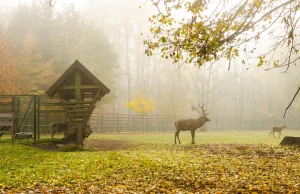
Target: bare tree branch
x=291 y=102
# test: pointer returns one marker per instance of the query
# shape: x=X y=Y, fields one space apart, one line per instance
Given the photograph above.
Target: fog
x=243 y=91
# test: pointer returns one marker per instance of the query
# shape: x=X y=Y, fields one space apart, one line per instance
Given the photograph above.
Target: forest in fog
x=38 y=43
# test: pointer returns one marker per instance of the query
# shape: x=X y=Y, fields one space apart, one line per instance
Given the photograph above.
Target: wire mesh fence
x=121 y=123
x=36 y=113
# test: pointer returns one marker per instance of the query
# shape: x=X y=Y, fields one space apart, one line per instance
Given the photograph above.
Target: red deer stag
x=278 y=130
x=191 y=124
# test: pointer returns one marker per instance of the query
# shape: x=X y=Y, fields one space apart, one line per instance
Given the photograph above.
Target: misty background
x=107 y=37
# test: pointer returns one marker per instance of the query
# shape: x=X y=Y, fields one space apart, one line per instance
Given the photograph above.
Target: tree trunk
x=128 y=74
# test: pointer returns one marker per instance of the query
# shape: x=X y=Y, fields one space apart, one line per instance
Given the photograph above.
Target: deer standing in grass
x=191 y=124
x=277 y=129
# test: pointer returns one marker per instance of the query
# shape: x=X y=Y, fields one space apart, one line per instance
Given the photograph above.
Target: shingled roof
x=67 y=78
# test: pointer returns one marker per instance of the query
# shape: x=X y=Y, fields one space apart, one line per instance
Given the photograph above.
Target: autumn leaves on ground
x=150 y=163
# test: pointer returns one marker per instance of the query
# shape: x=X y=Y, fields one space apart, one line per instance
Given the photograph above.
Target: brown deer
x=277 y=129
x=191 y=124
x=59 y=127
x=63 y=127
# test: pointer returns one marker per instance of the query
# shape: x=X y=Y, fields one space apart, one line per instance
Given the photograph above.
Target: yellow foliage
x=8 y=69
x=35 y=73
x=256 y=2
x=141 y=104
x=261 y=61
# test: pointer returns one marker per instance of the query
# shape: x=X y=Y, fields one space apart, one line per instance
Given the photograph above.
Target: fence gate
x=6 y=115
x=25 y=114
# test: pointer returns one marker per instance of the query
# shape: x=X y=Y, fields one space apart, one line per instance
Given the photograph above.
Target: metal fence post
x=147 y=123
x=132 y=123
x=102 y=123
x=34 y=117
x=163 y=123
x=117 y=123
x=14 y=119
x=38 y=118
x=143 y=125
x=18 y=115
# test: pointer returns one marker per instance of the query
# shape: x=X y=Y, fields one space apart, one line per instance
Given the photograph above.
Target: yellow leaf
x=236 y=52
x=260 y=63
x=250 y=188
x=275 y=64
x=256 y=2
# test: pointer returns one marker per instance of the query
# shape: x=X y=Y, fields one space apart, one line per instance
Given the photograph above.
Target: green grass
x=248 y=137
x=219 y=162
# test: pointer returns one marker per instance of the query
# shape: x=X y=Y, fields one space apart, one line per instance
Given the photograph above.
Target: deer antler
x=203 y=111
x=198 y=109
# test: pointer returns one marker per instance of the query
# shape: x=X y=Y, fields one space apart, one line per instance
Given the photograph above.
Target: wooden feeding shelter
x=79 y=90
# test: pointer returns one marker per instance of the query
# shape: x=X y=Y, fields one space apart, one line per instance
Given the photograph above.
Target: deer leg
x=178 y=138
x=193 y=136
x=279 y=132
x=177 y=135
x=53 y=133
x=270 y=134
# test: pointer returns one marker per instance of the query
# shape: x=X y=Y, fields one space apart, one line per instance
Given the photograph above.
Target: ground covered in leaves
x=132 y=167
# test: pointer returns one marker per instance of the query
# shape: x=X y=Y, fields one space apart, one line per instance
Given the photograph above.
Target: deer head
x=203 y=114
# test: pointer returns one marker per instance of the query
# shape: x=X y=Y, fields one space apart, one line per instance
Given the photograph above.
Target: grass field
x=220 y=162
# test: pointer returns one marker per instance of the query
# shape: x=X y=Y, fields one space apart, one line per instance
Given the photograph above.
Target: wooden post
x=78 y=97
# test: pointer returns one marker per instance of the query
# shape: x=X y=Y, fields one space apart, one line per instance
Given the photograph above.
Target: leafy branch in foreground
x=208 y=31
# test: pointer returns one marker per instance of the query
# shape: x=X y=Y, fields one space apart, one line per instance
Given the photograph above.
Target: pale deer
x=277 y=129
x=191 y=124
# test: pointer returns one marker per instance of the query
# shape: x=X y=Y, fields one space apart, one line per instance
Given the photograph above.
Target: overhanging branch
x=291 y=102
